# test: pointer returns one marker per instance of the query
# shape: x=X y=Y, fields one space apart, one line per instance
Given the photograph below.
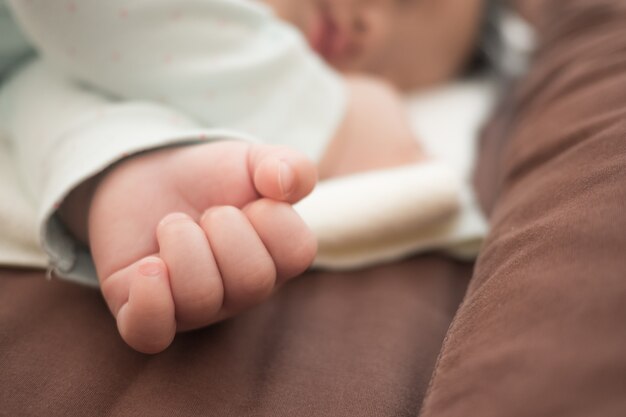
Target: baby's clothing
x=13 y=45
x=221 y=62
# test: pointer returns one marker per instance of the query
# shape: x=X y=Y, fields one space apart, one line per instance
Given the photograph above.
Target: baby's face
x=413 y=43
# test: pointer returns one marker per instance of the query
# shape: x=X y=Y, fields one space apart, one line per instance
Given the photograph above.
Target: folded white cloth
x=377 y=216
x=385 y=215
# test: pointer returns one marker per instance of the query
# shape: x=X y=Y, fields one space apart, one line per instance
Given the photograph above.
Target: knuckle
x=262 y=208
x=173 y=223
x=259 y=280
x=303 y=252
x=218 y=215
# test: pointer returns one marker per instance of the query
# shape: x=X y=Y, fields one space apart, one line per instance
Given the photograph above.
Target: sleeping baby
x=163 y=144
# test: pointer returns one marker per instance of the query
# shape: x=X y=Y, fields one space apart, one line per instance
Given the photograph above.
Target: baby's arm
x=149 y=216
x=374 y=134
x=62 y=134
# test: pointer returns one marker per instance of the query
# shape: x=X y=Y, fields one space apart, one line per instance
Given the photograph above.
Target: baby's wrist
x=76 y=208
x=74 y=211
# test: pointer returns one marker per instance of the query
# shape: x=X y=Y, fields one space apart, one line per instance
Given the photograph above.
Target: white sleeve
x=228 y=63
x=61 y=134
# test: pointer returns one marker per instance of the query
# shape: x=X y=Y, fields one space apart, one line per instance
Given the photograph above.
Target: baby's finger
x=289 y=241
x=247 y=270
x=194 y=277
x=281 y=173
x=146 y=319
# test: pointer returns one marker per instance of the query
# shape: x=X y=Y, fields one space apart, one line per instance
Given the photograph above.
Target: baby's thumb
x=280 y=173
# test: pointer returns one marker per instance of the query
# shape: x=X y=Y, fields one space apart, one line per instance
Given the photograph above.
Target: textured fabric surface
x=353 y=344
x=541 y=330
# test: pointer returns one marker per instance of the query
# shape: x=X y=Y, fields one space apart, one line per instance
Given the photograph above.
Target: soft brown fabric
x=542 y=331
x=354 y=344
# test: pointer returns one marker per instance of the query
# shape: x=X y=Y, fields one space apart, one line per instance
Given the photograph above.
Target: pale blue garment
x=14 y=47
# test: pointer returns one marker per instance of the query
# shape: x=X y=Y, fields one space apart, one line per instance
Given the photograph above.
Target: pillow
x=541 y=331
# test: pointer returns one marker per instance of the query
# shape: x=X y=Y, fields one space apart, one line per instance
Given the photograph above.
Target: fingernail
x=150 y=267
x=286 y=178
x=173 y=217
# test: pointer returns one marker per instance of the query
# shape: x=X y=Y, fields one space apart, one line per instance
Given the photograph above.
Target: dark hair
x=505 y=44
x=489 y=41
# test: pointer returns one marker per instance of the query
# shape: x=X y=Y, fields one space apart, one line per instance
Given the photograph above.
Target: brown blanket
x=540 y=332
x=356 y=344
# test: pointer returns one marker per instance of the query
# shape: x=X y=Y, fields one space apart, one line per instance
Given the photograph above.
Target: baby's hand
x=374 y=134
x=184 y=237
